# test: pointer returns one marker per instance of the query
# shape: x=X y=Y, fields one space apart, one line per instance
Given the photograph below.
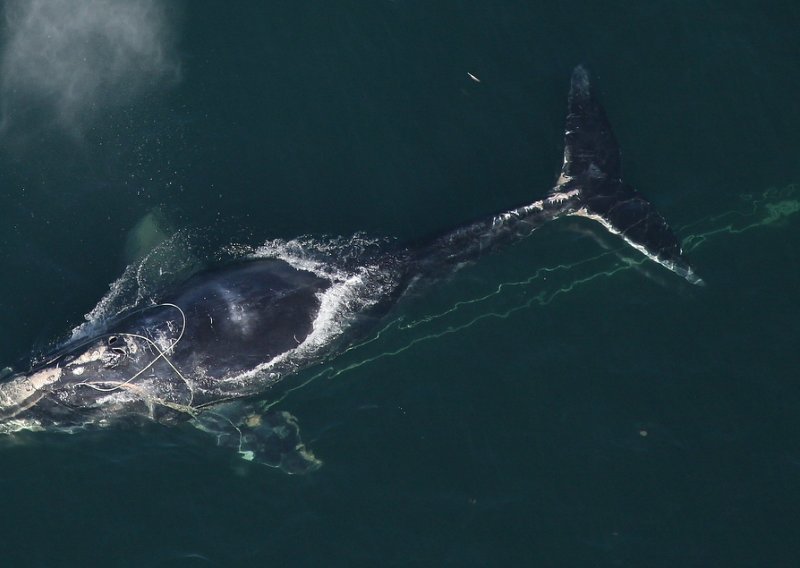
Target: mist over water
x=65 y=62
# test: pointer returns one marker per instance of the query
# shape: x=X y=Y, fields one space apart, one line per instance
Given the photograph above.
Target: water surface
x=560 y=404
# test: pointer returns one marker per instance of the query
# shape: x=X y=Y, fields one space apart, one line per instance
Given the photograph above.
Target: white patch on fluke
x=686 y=273
x=563 y=196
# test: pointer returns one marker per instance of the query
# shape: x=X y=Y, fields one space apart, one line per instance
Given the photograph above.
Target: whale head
x=91 y=381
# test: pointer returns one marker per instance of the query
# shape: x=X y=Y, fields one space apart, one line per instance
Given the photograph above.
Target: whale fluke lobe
x=590 y=147
x=592 y=170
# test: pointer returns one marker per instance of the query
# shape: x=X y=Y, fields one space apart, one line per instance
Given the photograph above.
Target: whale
x=208 y=350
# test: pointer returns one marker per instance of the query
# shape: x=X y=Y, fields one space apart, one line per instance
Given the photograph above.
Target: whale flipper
x=270 y=438
x=592 y=169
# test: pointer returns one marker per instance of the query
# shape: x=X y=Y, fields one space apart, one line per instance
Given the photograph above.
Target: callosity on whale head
x=107 y=379
x=93 y=381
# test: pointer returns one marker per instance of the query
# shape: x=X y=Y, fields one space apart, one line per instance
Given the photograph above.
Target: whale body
x=206 y=350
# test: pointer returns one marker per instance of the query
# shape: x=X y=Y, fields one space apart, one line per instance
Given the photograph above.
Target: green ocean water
x=558 y=404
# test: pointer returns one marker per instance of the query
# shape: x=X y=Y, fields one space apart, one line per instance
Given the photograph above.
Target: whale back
x=240 y=316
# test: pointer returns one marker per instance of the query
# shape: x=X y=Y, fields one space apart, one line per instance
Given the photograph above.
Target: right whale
x=208 y=350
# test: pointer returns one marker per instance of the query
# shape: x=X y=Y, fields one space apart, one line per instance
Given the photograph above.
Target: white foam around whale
x=357 y=282
x=353 y=289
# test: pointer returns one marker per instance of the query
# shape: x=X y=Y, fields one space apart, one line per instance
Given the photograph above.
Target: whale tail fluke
x=592 y=171
x=590 y=185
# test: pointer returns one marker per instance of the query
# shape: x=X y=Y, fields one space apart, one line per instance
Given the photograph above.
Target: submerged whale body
x=207 y=349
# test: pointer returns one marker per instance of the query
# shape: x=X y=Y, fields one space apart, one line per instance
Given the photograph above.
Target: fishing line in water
x=542 y=299
x=540 y=273
x=772 y=206
x=777 y=205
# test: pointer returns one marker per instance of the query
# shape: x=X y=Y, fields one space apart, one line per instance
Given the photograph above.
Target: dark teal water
x=550 y=406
